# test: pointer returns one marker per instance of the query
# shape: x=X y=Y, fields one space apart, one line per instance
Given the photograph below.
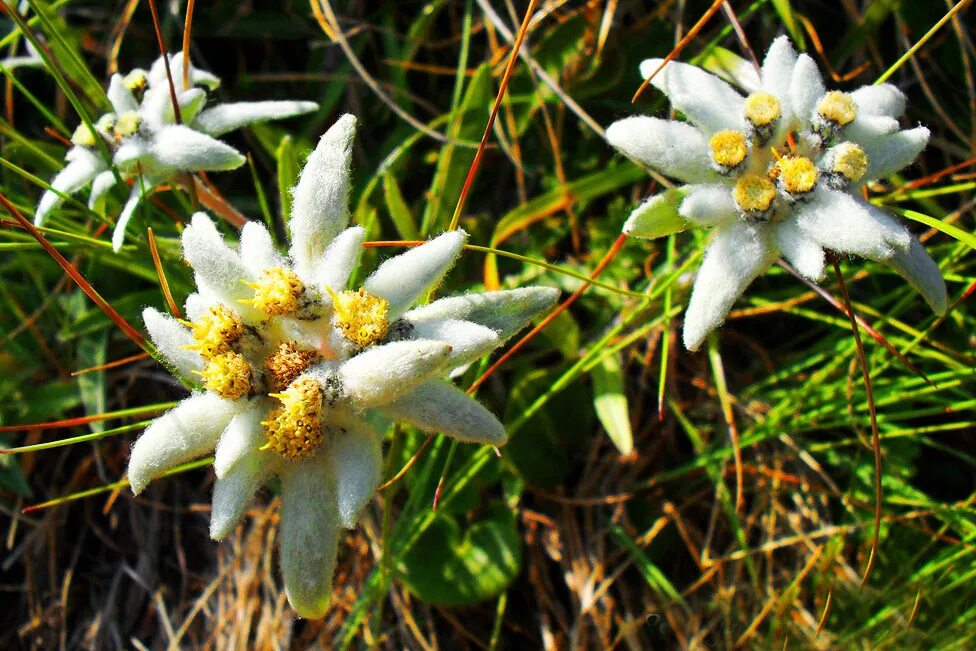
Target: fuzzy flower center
x=136 y=82
x=228 y=375
x=295 y=428
x=216 y=332
x=797 y=174
x=850 y=161
x=362 y=318
x=762 y=109
x=127 y=124
x=286 y=364
x=754 y=194
x=837 y=108
x=277 y=292
x=728 y=148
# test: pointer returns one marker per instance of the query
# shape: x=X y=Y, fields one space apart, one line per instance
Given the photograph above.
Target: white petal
x=892 y=153
x=708 y=204
x=841 y=223
x=405 y=277
x=657 y=216
x=128 y=210
x=777 y=71
x=796 y=246
x=469 y=341
x=191 y=102
x=921 y=271
x=708 y=102
x=867 y=130
x=356 y=458
x=740 y=252
x=309 y=533
x=243 y=436
x=439 y=406
x=233 y=493
x=320 y=209
x=121 y=97
x=171 y=339
x=130 y=152
x=217 y=266
x=102 y=183
x=257 y=249
x=188 y=431
x=78 y=173
x=199 y=303
x=339 y=259
x=506 y=312
x=883 y=99
x=224 y=118
x=806 y=88
x=180 y=148
x=384 y=373
x=198 y=77
x=675 y=149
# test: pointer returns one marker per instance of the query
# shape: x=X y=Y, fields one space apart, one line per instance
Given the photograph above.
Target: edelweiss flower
x=294 y=363
x=148 y=145
x=779 y=171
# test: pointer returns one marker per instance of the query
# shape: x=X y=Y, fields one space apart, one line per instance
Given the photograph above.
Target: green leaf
x=728 y=65
x=952 y=231
x=286 y=157
x=455 y=564
x=658 y=216
x=610 y=402
x=399 y=212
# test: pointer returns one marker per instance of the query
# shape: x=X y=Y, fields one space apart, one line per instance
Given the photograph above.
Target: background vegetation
x=611 y=518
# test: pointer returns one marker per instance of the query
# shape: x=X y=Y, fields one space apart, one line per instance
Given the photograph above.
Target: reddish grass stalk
x=108 y=365
x=163 y=283
x=162 y=50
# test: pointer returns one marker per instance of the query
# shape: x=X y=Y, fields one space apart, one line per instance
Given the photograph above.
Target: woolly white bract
x=777 y=171
x=148 y=145
x=294 y=364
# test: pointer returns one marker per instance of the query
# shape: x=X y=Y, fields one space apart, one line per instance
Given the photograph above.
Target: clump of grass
x=611 y=519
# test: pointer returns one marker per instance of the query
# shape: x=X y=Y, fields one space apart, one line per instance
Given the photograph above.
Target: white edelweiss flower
x=149 y=145
x=294 y=362
x=777 y=170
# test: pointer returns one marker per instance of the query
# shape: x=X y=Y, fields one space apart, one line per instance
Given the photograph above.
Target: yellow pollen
x=837 y=107
x=762 y=109
x=850 y=161
x=83 y=137
x=286 y=364
x=127 y=124
x=754 y=193
x=361 y=317
x=295 y=429
x=798 y=174
x=216 y=332
x=136 y=81
x=278 y=292
x=728 y=148
x=228 y=375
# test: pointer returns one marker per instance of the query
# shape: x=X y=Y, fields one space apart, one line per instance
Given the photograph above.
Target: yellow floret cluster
x=295 y=428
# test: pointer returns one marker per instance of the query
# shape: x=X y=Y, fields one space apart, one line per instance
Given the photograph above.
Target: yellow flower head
x=136 y=81
x=754 y=193
x=228 y=375
x=361 y=317
x=278 y=292
x=295 y=429
x=216 y=332
x=850 y=161
x=728 y=148
x=797 y=174
x=838 y=108
x=762 y=109
x=286 y=364
x=127 y=124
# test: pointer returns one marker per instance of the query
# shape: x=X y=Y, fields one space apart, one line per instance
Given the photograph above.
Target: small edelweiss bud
x=228 y=375
x=762 y=110
x=106 y=124
x=848 y=164
x=361 y=317
x=753 y=195
x=83 y=137
x=286 y=364
x=728 y=149
x=835 y=110
x=295 y=429
x=797 y=175
x=127 y=124
x=278 y=292
x=216 y=332
x=136 y=81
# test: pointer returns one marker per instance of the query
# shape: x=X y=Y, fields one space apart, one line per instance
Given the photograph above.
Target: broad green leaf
x=399 y=212
x=288 y=168
x=461 y=563
x=729 y=66
x=658 y=216
x=610 y=402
